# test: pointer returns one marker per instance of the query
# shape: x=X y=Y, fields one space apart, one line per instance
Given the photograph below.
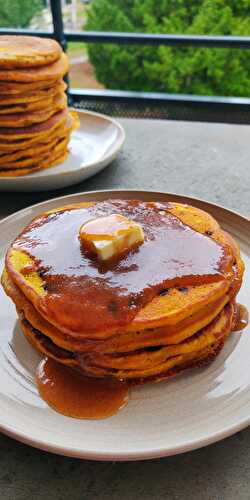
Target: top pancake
x=27 y=51
x=50 y=72
x=165 y=309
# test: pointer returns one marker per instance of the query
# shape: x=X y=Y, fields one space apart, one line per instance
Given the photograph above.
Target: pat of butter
x=110 y=237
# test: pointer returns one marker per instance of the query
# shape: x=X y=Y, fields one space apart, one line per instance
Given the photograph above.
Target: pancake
x=35 y=150
x=145 y=366
x=147 y=358
x=44 y=346
x=46 y=163
x=205 y=338
x=27 y=51
x=38 y=105
x=179 y=323
x=21 y=88
x=27 y=157
x=162 y=310
x=25 y=119
x=34 y=131
x=58 y=129
x=127 y=342
x=35 y=123
x=50 y=73
x=26 y=161
x=33 y=96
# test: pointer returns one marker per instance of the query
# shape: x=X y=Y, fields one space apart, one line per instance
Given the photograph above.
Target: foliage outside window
x=169 y=69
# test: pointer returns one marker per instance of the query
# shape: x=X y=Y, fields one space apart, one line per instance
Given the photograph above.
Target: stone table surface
x=210 y=161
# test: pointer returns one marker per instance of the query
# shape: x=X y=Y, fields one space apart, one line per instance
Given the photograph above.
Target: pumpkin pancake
x=147 y=357
x=151 y=363
x=35 y=150
x=35 y=159
x=44 y=164
x=121 y=342
x=33 y=95
x=45 y=346
x=27 y=51
x=49 y=73
x=24 y=119
x=166 y=369
x=162 y=310
x=21 y=88
x=35 y=123
x=147 y=365
x=26 y=157
x=36 y=130
x=39 y=105
x=184 y=320
x=57 y=129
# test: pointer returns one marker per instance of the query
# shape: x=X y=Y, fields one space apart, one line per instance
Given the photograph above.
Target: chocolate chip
x=208 y=233
x=133 y=302
x=112 y=307
x=154 y=348
x=183 y=289
x=164 y=292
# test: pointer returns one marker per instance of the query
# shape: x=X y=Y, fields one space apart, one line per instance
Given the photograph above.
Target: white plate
x=92 y=147
x=187 y=412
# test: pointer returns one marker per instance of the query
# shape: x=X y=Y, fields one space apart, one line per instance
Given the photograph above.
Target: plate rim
x=106 y=157
x=158 y=452
x=139 y=191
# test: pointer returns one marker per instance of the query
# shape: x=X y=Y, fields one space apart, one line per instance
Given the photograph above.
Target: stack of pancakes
x=180 y=327
x=35 y=124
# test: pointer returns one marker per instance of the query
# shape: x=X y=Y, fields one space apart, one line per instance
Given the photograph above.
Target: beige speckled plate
x=190 y=411
x=92 y=147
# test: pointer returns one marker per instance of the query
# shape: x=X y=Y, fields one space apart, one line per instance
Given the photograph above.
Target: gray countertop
x=210 y=161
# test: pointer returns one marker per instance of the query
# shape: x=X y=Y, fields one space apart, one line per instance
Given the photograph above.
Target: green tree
x=18 y=13
x=169 y=69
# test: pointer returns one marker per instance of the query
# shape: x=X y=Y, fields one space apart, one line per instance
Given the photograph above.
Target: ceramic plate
x=92 y=147
x=187 y=412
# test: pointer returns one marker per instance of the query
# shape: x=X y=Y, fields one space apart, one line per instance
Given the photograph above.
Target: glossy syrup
x=83 y=296
x=73 y=395
x=242 y=318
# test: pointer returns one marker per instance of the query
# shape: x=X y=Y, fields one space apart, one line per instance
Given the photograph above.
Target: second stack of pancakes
x=35 y=123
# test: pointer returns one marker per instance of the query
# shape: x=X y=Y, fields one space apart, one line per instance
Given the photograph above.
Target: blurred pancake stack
x=35 y=123
x=166 y=306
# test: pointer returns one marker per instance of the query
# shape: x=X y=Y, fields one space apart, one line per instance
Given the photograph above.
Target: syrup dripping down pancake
x=131 y=286
x=140 y=320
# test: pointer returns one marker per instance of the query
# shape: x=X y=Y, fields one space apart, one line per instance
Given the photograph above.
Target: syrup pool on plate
x=70 y=393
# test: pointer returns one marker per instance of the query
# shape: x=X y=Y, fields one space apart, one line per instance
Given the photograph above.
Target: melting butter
x=110 y=237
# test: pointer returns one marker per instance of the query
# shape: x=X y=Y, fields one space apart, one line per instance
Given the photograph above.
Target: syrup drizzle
x=70 y=393
x=242 y=318
x=84 y=296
